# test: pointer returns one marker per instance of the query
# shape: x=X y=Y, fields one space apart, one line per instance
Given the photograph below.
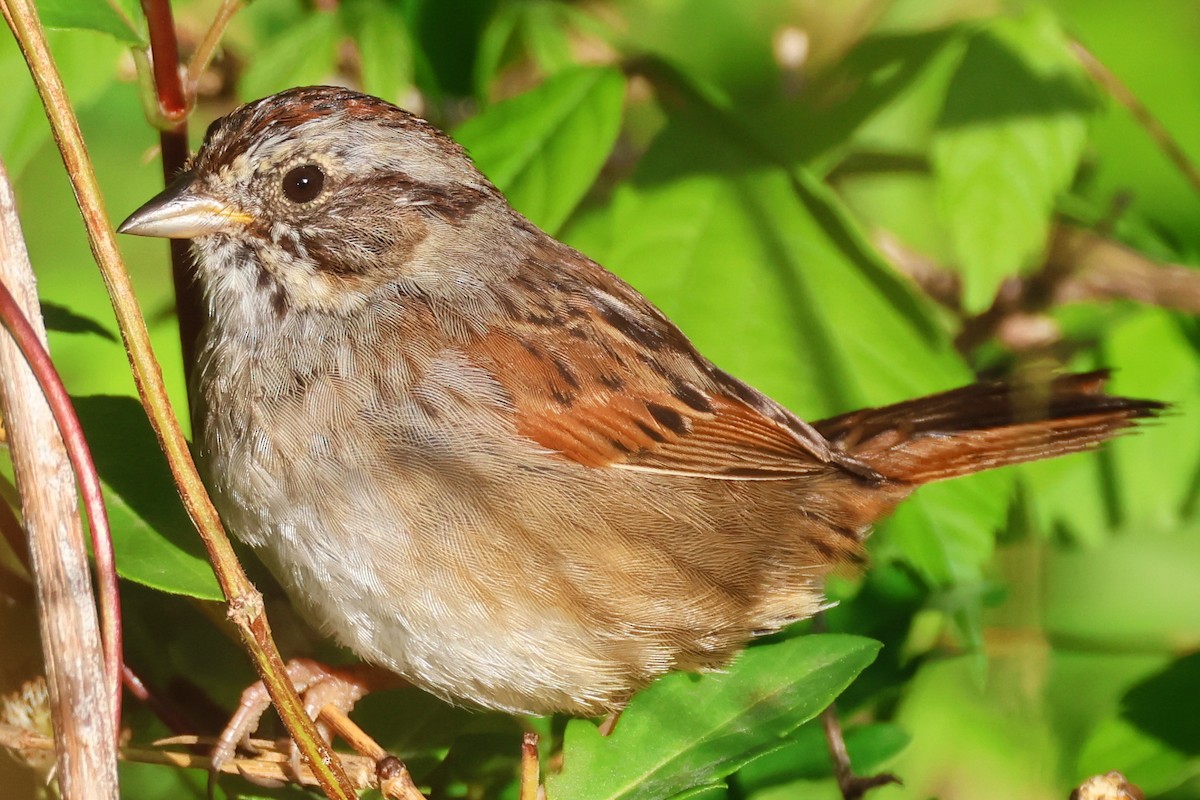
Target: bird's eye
x=303 y=184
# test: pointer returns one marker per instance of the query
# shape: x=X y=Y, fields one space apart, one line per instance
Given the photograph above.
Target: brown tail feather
x=985 y=425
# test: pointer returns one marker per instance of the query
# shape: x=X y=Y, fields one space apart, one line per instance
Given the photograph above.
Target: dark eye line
x=304 y=183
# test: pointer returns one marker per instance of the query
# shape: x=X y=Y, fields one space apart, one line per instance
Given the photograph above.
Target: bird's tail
x=985 y=425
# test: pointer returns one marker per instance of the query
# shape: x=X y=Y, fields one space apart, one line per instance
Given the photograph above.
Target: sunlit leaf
x=301 y=55
x=545 y=148
x=1008 y=143
x=687 y=731
x=88 y=66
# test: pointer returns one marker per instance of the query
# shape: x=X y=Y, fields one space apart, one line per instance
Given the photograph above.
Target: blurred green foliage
x=745 y=165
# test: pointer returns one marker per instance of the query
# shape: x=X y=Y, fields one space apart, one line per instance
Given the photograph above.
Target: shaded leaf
x=1166 y=705
x=446 y=38
x=155 y=542
x=495 y=42
x=545 y=148
x=686 y=731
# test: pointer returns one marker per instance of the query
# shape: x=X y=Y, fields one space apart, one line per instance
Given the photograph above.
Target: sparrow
x=478 y=459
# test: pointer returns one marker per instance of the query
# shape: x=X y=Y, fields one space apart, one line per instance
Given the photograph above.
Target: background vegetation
x=845 y=204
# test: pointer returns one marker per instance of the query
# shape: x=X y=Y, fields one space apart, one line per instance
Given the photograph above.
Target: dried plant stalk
x=79 y=702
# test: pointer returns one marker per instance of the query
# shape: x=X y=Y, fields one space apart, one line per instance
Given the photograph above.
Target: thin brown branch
x=272 y=765
x=80 y=706
x=1104 y=269
x=942 y=285
x=393 y=778
x=244 y=601
x=208 y=45
x=1107 y=80
x=1080 y=265
x=852 y=787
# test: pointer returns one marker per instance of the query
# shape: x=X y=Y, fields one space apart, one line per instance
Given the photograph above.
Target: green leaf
x=545 y=148
x=1007 y=144
x=857 y=97
x=726 y=45
x=384 y=47
x=541 y=30
x=1136 y=592
x=946 y=531
x=301 y=55
x=88 y=68
x=688 y=731
x=1156 y=57
x=155 y=542
x=102 y=16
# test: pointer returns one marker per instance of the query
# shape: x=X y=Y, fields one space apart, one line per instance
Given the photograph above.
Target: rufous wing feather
x=624 y=388
x=985 y=425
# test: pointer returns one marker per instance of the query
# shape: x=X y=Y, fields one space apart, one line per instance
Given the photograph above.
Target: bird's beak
x=182 y=211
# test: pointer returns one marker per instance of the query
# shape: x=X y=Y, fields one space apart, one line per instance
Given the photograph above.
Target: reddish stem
x=164 y=56
x=59 y=401
x=172 y=101
x=166 y=712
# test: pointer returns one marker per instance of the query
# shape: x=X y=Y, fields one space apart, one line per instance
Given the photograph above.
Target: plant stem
x=30 y=345
x=82 y=709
